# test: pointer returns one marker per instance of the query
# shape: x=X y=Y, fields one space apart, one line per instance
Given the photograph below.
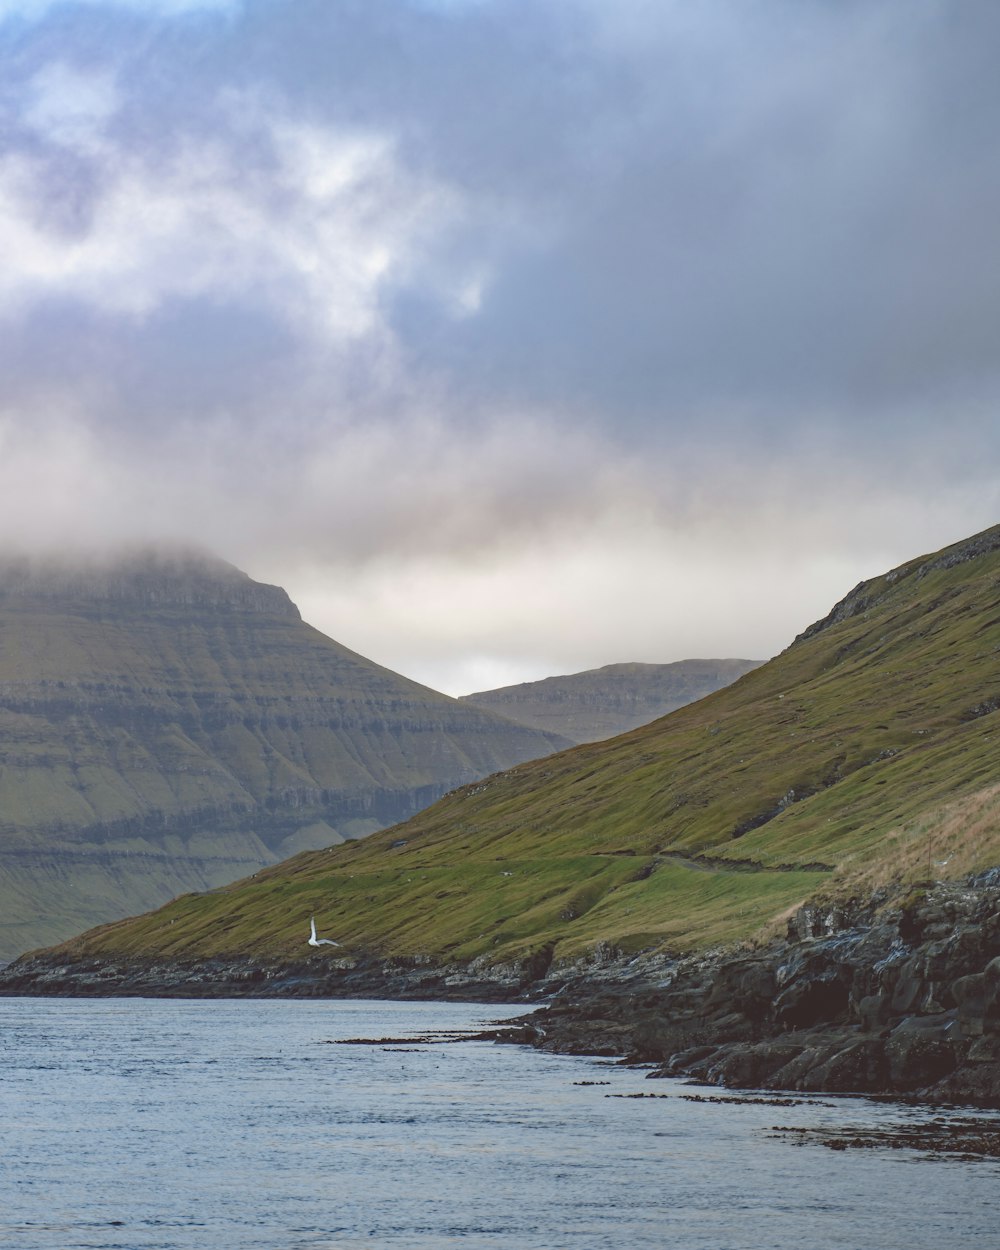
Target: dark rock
x=810 y=1001
x=968 y=993
x=991 y=996
x=745 y=1067
x=873 y=1012
x=984 y=1050
x=909 y=986
x=921 y=1051
x=859 y=1067
x=686 y=1060
x=860 y=1008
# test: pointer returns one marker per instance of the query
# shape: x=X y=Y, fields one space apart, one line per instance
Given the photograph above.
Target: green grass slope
x=865 y=752
x=603 y=702
x=168 y=724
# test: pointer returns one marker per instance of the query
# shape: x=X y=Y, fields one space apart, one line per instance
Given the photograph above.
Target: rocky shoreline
x=899 y=1001
x=57 y=975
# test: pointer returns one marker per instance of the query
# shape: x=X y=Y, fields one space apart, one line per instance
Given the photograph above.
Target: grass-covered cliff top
x=865 y=752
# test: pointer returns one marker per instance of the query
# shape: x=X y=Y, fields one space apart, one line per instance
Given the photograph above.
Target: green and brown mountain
x=604 y=702
x=168 y=724
x=867 y=752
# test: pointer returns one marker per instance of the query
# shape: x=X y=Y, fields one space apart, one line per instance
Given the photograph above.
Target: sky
x=511 y=337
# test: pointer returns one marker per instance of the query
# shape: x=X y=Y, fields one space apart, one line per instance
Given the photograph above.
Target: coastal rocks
x=311 y=977
x=978 y=999
x=902 y=1003
x=858 y=1066
x=921 y=1051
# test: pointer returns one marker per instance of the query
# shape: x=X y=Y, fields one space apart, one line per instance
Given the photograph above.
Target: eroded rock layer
x=602 y=702
x=167 y=724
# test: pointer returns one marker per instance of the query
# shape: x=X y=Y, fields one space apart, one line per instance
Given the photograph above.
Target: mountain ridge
x=603 y=702
x=865 y=595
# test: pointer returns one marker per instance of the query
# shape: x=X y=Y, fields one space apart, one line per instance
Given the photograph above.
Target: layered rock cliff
x=602 y=702
x=167 y=724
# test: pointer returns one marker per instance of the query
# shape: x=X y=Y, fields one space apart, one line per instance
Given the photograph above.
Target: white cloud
x=571 y=601
x=505 y=553
x=620 y=589
x=495 y=340
x=334 y=218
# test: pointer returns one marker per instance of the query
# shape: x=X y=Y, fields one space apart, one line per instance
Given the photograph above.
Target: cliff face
x=863 y=998
x=167 y=724
x=603 y=702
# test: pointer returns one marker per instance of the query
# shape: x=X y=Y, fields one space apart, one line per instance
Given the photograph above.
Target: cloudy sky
x=510 y=336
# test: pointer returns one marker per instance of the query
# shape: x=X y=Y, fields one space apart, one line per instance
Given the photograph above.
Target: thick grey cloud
x=508 y=333
x=786 y=205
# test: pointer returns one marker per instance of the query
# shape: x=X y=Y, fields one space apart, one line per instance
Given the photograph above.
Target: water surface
x=137 y=1124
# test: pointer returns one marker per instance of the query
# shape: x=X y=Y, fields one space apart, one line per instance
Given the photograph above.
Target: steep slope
x=854 y=752
x=603 y=702
x=168 y=724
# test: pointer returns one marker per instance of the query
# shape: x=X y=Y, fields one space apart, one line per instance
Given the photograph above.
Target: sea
x=150 y=1124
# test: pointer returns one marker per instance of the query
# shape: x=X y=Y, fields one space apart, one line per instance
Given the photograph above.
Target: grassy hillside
x=603 y=702
x=169 y=724
x=866 y=751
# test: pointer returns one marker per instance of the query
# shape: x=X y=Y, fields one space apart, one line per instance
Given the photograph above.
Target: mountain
x=603 y=702
x=863 y=755
x=168 y=724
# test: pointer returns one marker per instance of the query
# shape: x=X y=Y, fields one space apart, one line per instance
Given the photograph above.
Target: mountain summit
x=168 y=724
x=143 y=578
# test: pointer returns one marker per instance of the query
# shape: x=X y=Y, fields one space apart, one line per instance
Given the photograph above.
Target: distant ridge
x=603 y=702
x=169 y=724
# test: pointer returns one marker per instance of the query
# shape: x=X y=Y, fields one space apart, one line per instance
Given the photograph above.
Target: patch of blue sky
x=30 y=11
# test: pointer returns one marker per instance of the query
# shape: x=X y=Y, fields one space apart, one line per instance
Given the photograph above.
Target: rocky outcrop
x=869 y=594
x=904 y=1001
x=312 y=976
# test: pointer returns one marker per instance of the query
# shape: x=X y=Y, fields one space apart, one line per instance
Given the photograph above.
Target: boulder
x=873 y=1012
x=746 y=1067
x=859 y=1068
x=991 y=996
x=920 y=1051
x=969 y=995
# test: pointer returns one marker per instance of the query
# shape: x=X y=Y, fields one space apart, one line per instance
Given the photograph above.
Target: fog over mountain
x=513 y=337
x=167 y=724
